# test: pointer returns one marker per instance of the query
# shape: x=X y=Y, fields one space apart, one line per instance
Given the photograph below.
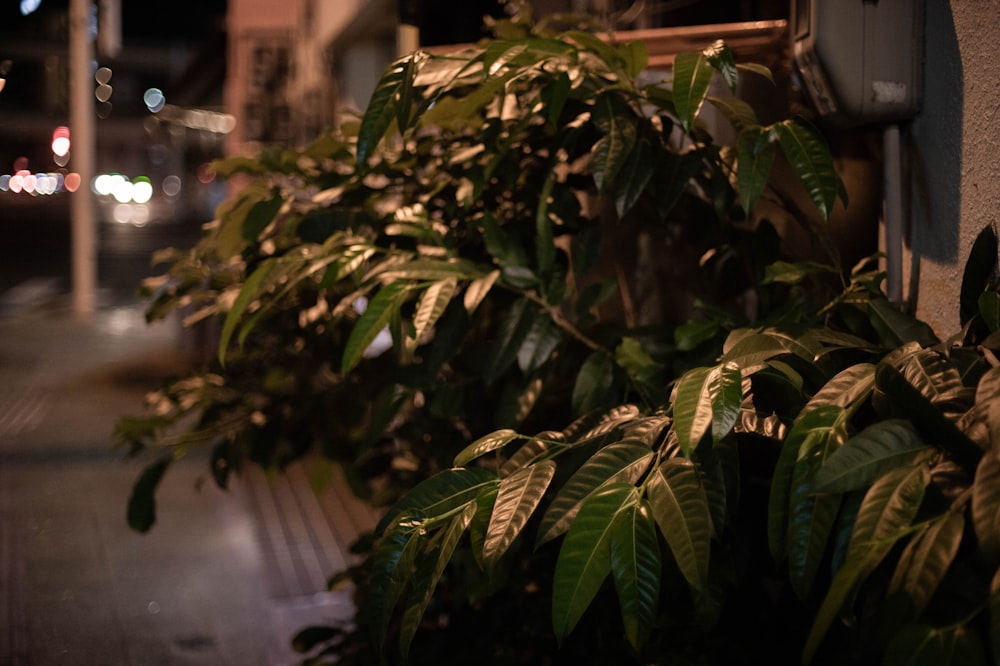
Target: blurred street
x=222 y=578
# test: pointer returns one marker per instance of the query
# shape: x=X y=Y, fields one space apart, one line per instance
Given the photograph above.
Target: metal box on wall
x=860 y=61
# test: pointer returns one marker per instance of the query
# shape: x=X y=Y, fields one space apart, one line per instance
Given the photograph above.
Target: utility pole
x=84 y=145
x=408 y=27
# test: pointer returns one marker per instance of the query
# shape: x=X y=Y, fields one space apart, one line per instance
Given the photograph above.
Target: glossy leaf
x=980 y=268
x=634 y=178
x=926 y=558
x=381 y=109
x=593 y=382
x=380 y=311
x=994 y=610
x=986 y=507
x=509 y=337
x=897 y=327
x=483 y=445
x=428 y=572
x=441 y=493
x=847 y=388
x=720 y=56
x=518 y=496
x=750 y=350
x=692 y=76
x=430 y=307
x=810 y=158
x=821 y=423
x=621 y=462
x=955 y=645
x=888 y=509
x=141 y=510
x=392 y=567
x=882 y=446
x=811 y=517
x=541 y=341
x=755 y=151
x=477 y=290
x=906 y=401
x=585 y=556
x=635 y=568
x=539 y=447
x=883 y=518
x=988 y=395
x=612 y=151
x=706 y=398
x=680 y=507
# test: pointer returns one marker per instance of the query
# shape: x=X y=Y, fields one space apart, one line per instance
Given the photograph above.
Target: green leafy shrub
x=580 y=463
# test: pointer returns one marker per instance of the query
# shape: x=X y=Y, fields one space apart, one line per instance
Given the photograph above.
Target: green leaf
x=692 y=76
x=995 y=613
x=908 y=402
x=542 y=339
x=896 y=327
x=545 y=248
x=756 y=68
x=141 y=511
x=978 y=273
x=593 y=382
x=888 y=509
x=611 y=152
x=986 y=507
x=430 y=307
x=428 y=573
x=429 y=269
x=720 y=56
x=847 y=388
x=680 y=507
x=517 y=498
x=843 y=586
x=750 y=350
x=882 y=446
x=635 y=568
x=706 y=398
x=380 y=111
x=946 y=646
x=478 y=289
x=485 y=444
x=883 y=518
x=392 y=567
x=810 y=158
x=811 y=517
x=261 y=215
x=509 y=337
x=988 y=395
x=585 y=556
x=926 y=558
x=554 y=97
x=441 y=493
x=821 y=423
x=755 y=152
x=635 y=55
x=380 y=311
x=539 y=447
x=739 y=114
x=636 y=175
x=621 y=462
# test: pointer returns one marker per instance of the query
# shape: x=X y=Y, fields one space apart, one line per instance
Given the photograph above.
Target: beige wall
x=957 y=136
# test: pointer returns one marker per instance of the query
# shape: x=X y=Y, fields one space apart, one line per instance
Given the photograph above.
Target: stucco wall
x=957 y=157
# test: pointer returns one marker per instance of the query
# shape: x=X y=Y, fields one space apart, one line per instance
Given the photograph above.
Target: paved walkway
x=209 y=584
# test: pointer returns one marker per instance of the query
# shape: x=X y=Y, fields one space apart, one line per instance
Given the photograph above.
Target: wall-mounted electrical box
x=861 y=61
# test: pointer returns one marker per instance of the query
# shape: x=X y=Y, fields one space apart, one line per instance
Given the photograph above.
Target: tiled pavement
x=222 y=578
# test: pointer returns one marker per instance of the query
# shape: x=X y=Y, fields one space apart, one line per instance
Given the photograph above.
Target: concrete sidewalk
x=77 y=587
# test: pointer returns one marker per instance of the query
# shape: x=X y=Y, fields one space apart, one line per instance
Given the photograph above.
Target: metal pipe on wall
x=893 y=202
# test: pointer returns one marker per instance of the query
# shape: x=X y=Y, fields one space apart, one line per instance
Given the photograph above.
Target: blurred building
x=298 y=66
